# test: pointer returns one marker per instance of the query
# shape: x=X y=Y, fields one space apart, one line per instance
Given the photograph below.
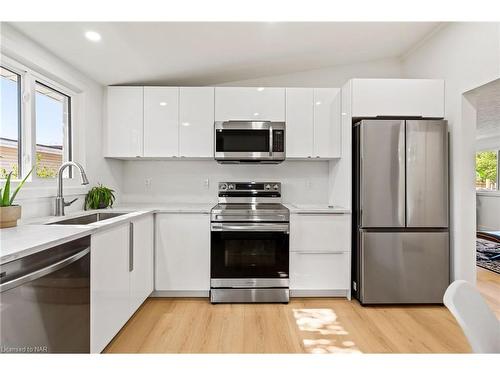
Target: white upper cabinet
x=327 y=123
x=397 y=97
x=124 y=125
x=161 y=121
x=299 y=122
x=249 y=103
x=196 y=118
x=313 y=123
x=171 y=122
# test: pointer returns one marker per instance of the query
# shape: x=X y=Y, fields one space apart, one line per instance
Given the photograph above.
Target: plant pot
x=9 y=216
x=102 y=205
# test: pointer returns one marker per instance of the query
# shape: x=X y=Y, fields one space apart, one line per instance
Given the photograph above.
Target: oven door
x=237 y=141
x=249 y=251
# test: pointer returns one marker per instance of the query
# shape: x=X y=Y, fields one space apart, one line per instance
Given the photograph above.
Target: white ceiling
x=202 y=53
x=486 y=100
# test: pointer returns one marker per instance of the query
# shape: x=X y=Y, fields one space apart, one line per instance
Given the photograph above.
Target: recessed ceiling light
x=260 y=89
x=256 y=114
x=186 y=124
x=93 y=36
x=318 y=103
x=163 y=104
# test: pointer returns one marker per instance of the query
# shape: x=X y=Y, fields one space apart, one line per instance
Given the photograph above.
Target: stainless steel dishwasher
x=45 y=301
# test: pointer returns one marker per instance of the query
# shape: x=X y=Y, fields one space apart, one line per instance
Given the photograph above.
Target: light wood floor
x=323 y=325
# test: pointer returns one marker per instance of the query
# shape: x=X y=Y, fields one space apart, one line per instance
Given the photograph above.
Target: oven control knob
x=267 y=187
x=223 y=186
x=231 y=187
x=276 y=187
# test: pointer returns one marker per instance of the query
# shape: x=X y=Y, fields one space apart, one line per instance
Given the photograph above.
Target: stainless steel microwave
x=249 y=142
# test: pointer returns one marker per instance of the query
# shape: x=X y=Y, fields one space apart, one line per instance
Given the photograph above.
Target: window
x=487 y=176
x=36 y=123
x=10 y=126
x=53 y=130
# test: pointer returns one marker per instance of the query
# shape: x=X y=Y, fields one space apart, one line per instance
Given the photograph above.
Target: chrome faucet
x=60 y=203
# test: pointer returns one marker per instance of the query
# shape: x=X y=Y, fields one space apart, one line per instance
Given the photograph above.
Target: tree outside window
x=487 y=170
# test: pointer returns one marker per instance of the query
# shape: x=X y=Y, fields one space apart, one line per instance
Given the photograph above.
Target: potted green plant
x=99 y=197
x=9 y=212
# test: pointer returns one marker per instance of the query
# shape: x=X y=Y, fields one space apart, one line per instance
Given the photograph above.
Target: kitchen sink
x=88 y=219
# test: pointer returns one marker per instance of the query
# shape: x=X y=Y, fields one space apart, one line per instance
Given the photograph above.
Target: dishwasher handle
x=44 y=271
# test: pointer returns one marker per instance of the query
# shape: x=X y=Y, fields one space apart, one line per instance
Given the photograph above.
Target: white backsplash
x=185 y=181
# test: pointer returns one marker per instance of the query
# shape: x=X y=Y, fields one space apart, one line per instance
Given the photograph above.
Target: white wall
x=38 y=200
x=466 y=55
x=334 y=76
x=184 y=181
x=488 y=211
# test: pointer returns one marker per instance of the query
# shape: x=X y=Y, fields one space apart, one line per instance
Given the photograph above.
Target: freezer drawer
x=426 y=173
x=404 y=267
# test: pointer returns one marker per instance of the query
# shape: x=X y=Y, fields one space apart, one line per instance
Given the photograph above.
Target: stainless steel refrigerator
x=400 y=220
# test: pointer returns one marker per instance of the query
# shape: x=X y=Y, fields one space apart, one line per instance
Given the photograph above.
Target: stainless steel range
x=249 y=244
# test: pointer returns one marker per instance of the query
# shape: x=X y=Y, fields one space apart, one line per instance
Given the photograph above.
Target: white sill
x=488 y=193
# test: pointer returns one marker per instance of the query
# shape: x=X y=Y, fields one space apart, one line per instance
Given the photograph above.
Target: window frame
x=497 y=190
x=68 y=138
x=20 y=122
x=27 y=108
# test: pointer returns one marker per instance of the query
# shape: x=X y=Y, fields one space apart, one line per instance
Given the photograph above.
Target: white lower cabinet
x=109 y=275
x=320 y=254
x=182 y=254
x=321 y=274
x=121 y=271
x=141 y=265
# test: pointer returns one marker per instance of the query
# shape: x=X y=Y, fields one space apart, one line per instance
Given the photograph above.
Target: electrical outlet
x=147 y=183
x=206 y=183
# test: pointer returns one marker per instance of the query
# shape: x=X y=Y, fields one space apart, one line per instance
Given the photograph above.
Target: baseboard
x=319 y=293
x=293 y=293
x=180 y=293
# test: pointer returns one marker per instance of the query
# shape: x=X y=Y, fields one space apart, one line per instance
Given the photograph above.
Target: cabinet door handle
x=131 y=247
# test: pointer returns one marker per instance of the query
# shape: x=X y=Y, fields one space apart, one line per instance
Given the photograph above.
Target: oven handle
x=250 y=227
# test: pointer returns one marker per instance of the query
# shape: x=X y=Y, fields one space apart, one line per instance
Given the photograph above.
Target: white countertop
x=316 y=208
x=33 y=235
x=24 y=240
x=167 y=207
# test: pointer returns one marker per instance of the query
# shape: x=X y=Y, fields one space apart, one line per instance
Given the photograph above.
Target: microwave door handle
x=270 y=140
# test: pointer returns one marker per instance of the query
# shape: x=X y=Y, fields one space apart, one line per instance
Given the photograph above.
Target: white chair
x=479 y=323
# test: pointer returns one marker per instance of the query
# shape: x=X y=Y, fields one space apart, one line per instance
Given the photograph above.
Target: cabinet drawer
x=320 y=232
x=319 y=271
